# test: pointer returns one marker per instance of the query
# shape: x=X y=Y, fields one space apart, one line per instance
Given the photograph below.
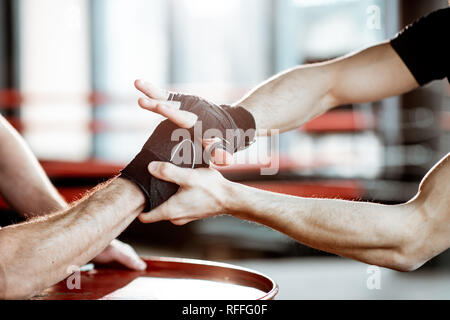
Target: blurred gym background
x=66 y=84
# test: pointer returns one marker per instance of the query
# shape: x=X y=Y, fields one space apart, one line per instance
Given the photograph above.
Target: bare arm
x=37 y=254
x=22 y=177
x=295 y=96
x=27 y=189
x=401 y=237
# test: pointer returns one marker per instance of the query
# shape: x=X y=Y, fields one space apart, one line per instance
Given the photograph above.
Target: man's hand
x=120 y=252
x=202 y=194
x=156 y=101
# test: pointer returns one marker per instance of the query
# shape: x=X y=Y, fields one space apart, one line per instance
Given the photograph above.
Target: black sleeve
x=424 y=46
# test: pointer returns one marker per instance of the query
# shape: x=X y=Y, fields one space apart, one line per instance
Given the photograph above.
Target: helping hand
x=202 y=194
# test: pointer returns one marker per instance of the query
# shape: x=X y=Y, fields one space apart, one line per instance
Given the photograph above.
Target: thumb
x=169 y=172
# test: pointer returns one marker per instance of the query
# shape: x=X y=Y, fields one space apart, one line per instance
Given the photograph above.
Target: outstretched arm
x=401 y=237
x=291 y=98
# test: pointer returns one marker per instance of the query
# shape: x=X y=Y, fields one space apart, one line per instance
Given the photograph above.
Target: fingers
x=169 y=172
x=198 y=196
x=172 y=210
x=169 y=109
x=125 y=254
x=159 y=213
x=219 y=156
x=150 y=90
x=180 y=222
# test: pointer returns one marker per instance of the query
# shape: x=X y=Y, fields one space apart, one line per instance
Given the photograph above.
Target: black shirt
x=424 y=46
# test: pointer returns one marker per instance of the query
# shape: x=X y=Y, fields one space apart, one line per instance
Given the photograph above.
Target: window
x=55 y=77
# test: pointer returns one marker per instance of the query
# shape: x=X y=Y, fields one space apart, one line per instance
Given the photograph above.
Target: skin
x=37 y=253
x=68 y=238
x=400 y=237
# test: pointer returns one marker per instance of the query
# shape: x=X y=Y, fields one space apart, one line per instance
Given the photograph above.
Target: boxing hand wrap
x=235 y=124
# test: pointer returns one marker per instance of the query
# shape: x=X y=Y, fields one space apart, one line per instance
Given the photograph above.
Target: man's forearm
x=290 y=99
x=369 y=232
x=53 y=243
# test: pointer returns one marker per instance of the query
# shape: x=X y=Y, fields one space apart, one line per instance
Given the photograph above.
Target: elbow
x=404 y=262
x=411 y=251
x=405 y=258
x=410 y=248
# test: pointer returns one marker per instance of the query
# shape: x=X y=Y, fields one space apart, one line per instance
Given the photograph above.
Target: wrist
x=235 y=202
x=243 y=120
x=131 y=191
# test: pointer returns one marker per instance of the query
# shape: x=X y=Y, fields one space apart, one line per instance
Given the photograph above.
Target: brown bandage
x=159 y=146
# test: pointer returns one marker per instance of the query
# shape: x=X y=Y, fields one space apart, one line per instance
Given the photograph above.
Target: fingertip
x=138 y=83
x=153 y=166
x=177 y=222
x=150 y=216
x=141 y=101
x=143 y=217
x=141 y=265
x=181 y=222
